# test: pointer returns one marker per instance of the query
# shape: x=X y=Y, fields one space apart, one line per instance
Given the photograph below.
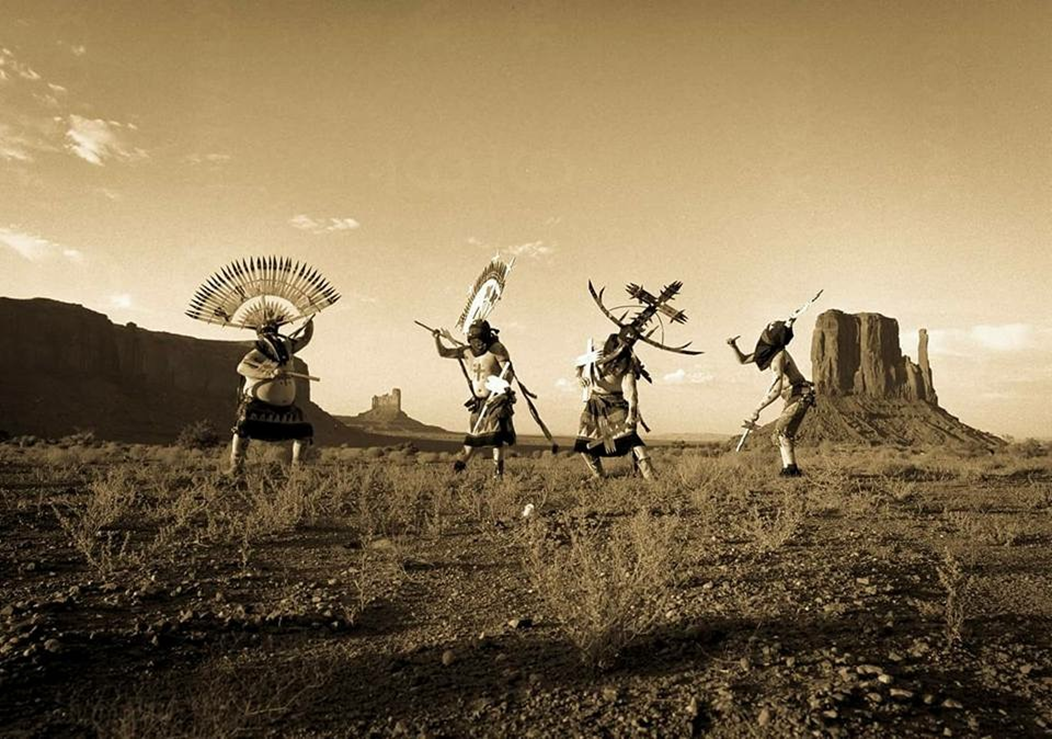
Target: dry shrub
x=223 y=698
x=768 y=530
x=606 y=589
x=90 y=527
x=199 y=435
x=958 y=587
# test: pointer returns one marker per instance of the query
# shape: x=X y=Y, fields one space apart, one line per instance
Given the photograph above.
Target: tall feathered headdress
x=260 y=291
x=484 y=294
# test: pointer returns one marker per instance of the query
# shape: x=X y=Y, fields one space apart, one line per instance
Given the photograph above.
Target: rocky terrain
x=889 y=593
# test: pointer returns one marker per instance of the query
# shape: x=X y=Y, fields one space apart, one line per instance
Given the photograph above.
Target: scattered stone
x=53 y=645
x=894 y=656
x=870 y=670
x=951 y=703
x=1026 y=669
x=448 y=657
x=521 y=623
x=611 y=694
x=874 y=697
x=885 y=678
x=790 y=661
x=745 y=663
x=901 y=694
x=928 y=699
x=765 y=717
x=8 y=611
x=831 y=713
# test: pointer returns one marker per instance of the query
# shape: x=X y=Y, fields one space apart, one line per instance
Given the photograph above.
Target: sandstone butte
x=870 y=393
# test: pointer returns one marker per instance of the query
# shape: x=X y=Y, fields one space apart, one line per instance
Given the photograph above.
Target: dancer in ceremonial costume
x=267 y=409
x=264 y=294
x=611 y=415
x=486 y=367
x=788 y=382
x=491 y=405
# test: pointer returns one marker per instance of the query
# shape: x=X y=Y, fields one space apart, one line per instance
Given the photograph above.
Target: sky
x=897 y=155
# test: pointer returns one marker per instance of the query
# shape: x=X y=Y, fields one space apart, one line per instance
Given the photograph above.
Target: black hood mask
x=773 y=339
x=484 y=332
x=272 y=345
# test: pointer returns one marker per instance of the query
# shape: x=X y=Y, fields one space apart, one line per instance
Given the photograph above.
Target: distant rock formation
x=388 y=402
x=869 y=392
x=386 y=415
x=858 y=354
x=67 y=368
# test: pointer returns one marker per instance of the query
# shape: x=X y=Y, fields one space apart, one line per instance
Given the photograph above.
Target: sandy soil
x=885 y=594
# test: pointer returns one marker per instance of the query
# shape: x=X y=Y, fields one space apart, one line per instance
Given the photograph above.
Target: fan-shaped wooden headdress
x=261 y=291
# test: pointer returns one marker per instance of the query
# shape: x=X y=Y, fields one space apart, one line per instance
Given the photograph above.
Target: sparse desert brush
x=958 y=586
x=606 y=588
x=899 y=489
x=1036 y=495
x=225 y=697
x=199 y=435
x=1028 y=449
x=90 y=526
x=772 y=528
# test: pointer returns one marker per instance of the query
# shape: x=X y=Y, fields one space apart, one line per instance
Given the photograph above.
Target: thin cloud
x=319 y=226
x=95 y=140
x=34 y=248
x=121 y=300
x=530 y=250
x=213 y=158
x=15 y=146
x=1004 y=338
x=683 y=377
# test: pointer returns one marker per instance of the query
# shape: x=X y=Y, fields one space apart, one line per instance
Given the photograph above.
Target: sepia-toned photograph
x=522 y=368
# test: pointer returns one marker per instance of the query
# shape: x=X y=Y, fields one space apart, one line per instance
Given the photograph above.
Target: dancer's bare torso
x=784 y=369
x=481 y=367
x=256 y=368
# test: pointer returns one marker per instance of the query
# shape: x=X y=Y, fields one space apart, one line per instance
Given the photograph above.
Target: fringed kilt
x=604 y=431
x=800 y=399
x=265 y=422
x=496 y=428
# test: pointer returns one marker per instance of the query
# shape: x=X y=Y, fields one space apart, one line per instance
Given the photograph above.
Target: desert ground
x=890 y=592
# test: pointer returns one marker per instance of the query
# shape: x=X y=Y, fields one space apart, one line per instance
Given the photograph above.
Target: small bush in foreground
x=606 y=588
x=199 y=435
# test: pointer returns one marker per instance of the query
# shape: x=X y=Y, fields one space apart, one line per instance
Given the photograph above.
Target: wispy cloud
x=34 y=248
x=121 y=300
x=1004 y=338
x=212 y=158
x=530 y=250
x=95 y=140
x=322 y=225
x=14 y=68
x=683 y=377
